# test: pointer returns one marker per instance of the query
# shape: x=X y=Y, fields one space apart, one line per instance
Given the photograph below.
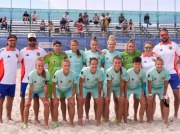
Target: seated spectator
x=63 y=24
x=108 y=17
x=80 y=18
x=42 y=26
x=124 y=26
x=102 y=17
x=25 y=17
x=66 y=16
x=85 y=19
x=96 y=18
x=50 y=27
x=104 y=24
x=121 y=18
x=4 y=23
x=130 y=25
x=34 y=17
x=80 y=29
x=146 y=19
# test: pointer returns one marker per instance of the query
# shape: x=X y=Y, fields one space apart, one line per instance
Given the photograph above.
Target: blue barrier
x=83 y=42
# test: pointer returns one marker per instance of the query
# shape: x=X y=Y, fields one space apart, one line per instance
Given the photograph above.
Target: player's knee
x=142 y=102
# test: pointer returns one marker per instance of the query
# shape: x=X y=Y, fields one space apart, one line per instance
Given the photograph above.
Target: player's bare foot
x=47 y=127
x=36 y=122
x=72 y=124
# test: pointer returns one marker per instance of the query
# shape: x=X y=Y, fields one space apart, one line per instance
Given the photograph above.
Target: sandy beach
x=156 y=127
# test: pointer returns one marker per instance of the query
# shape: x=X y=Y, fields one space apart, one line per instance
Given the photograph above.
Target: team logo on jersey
x=87 y=78
x=161 y=50
x=145 y=61
x=43 y=81
x=112 y=78
x=54 y=76
x=70 y=56
x=154 y=60
x=27 y=54
x=54 y=61
x=81 y=72
x=132 y=79
x=69 y=81
x=163 y=78
x=61 y=81
x=127 y=58
x=107 y=58
x=96 y=79
x=34 y=81
x=8 y=56
x=107 y=75
x=16 y=55
x=79 y=56
x=98 y=58
x=154 y=78
x=38 y=54
x=148 y=75
x=170 y=47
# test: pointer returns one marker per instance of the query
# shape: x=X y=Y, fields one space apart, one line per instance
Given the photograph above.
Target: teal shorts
x=159 y=91
x=40 y=93
x=64 y=94
x=93 y=91
x=136 y=91
x=116 y=91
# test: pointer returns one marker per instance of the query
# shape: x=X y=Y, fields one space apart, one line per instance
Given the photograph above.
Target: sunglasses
x=32 y=40
x=12 y=40
x=162 y=35
x=148 y=47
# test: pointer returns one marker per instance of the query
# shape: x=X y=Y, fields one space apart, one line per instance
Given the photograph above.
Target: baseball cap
x=11 y=36
x=31 y=35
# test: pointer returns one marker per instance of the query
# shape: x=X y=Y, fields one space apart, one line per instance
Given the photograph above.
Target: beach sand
x=156 y=127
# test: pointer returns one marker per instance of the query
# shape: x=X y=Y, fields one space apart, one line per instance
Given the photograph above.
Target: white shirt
x=169 y=53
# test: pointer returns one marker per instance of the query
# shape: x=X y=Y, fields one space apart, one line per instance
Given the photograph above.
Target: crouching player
x=64 y=82
x=38 y=80
x=158 y=78
x=115 y=82
x=137 y=77
x=91 y=82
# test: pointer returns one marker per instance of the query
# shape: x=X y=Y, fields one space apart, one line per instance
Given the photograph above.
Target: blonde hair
x=65 y=60
x=130 y=41
x=43 y=72
x=111 y=38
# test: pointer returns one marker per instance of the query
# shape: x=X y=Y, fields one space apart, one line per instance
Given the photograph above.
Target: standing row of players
x=89 y=80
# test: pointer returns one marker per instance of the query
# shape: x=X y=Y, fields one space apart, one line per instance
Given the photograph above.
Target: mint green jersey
x=37 y=81
x=128 y=58
x=134 y=79
x=76 y=61
x=88 y=54
x=158 y=78
x=115 y=77
x=54 y=63
x=108 y=58
x=64 y=83
x=91 y=80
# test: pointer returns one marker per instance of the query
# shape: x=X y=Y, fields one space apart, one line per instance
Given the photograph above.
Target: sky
x=128 y=5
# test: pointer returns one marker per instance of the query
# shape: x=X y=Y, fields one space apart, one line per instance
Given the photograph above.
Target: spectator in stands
x=96 y=18
x=146 y=19
x=50 y=27
x=85 y=19
x=102 y=17
x=0 y=20
x=63 y=23
x=34 y=17
x=66 y=16
x=25 y=17
x=121 y=18
x=80 y=29
x=4 y=23
x=80 y=18
x=108 y=17
x=42 y=26
x=130 y=25
x=104 y=24
x=124 y=26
